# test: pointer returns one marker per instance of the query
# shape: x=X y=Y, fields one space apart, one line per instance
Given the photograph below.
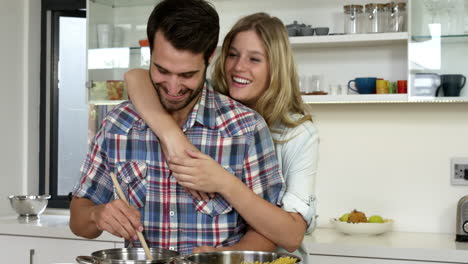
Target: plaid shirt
x=232 y=134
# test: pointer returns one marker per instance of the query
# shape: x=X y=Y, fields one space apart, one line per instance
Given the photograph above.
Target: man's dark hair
x=191 y=25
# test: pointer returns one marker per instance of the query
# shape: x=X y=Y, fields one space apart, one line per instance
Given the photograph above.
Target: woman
x=255 y=67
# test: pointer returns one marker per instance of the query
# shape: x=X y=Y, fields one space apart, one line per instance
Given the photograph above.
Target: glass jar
x=396 y=17
x=375 y=18
x=353 y=19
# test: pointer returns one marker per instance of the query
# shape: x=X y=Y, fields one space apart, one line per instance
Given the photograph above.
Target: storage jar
x=397 y=17
x=353 y=19
x=375 y=18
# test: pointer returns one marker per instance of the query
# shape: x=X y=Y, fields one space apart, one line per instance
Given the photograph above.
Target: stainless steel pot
x=234 y=257
x=128 y=256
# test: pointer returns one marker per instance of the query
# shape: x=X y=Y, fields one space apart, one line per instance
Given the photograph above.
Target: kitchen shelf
x=346 y=40
x=378 y=99
x=329 y=41
x=116 y=49
x=125 y=3
x=319 y=41
x=442 y=100
x=355 y=99
x=349 y=40
x=131 y=3
x=105 y=102
x=444 y=39
x=349 y=99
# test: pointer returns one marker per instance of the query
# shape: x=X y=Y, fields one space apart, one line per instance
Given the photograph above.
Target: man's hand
x=118 y=219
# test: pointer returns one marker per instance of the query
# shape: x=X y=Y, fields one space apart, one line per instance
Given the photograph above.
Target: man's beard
x=171 y=107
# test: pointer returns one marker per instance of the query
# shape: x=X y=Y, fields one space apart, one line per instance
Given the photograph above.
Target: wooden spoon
x=139 y=234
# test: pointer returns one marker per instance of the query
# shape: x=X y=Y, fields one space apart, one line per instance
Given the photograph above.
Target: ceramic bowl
x=307 y=31
x=321 y=31
x=292 y=32
x=362 y=228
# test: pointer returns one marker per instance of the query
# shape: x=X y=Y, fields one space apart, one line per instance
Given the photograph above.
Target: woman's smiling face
x=247 y=68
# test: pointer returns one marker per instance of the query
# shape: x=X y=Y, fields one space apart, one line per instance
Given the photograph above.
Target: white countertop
x=391 y=245
x=52 y=226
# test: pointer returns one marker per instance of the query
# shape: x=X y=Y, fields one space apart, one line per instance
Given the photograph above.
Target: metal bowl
x=236 y=257
x=29 y=205
x=129 y=256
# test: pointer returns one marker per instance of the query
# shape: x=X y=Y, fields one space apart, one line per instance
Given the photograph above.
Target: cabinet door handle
x=31 y=256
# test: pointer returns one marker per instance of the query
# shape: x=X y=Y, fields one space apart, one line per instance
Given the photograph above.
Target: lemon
x=344 y=218
x=375 y=219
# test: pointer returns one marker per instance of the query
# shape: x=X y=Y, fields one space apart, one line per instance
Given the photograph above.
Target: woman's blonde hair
x=282 y=97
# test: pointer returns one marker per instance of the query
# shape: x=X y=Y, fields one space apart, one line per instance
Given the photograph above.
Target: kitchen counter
x=391 y=245
x=322 y=242
x=50 y=226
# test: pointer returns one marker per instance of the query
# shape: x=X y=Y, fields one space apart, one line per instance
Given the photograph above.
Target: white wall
x=19 y=100
x=393 y=160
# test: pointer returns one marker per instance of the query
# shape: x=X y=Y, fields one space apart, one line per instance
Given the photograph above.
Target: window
x=64 y=111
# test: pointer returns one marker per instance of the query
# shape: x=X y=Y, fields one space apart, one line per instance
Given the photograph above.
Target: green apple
x=375 y=219
x=344 y=218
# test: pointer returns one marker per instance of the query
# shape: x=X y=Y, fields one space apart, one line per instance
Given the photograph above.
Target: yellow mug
x=381 y=86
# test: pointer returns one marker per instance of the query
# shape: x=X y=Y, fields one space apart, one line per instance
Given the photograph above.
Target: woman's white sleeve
x=300 y=157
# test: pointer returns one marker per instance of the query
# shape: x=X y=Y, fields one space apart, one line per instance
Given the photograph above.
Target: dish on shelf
x=321 y=31
x=362 y=228
x=144 y=43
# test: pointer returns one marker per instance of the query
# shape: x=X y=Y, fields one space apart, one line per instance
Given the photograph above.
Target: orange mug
x=402 y=86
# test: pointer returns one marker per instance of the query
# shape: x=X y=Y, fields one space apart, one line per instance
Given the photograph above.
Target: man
x=183 y=35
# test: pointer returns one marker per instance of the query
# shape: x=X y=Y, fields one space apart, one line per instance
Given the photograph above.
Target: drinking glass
x=316 y=84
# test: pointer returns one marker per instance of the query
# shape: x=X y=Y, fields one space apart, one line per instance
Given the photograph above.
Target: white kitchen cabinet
x=39 y=250
x=332 y=57
x=320 y=259
x=438 y=46
x=336 y=59
x=326 y=246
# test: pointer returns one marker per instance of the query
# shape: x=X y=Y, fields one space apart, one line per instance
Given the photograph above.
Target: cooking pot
x=128 y=256
x=234 y=257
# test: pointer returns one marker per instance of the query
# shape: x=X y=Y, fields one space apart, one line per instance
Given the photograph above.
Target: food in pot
x=281 y=260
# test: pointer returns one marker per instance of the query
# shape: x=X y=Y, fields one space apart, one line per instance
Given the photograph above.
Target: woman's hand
x=199 y=172
x=200 y=195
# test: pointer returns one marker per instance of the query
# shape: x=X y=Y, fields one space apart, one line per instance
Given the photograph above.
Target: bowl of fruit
x=357 y=223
